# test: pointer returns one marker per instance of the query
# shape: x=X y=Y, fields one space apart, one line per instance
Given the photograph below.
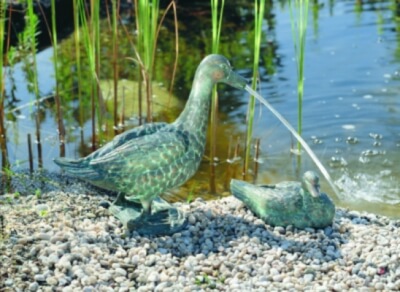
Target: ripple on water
x=349 y=127
x=379 y=188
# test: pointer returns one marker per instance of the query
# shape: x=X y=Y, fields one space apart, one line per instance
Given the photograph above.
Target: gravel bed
x=56 y=237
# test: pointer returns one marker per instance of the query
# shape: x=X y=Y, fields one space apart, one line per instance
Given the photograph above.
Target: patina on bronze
x=288 y=203
x=145 y=162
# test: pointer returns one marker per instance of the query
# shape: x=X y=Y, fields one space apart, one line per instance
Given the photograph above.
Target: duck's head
x=220 y=70
x=310 y=183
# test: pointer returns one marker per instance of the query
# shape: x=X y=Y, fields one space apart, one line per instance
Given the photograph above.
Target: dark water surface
x=351 y=106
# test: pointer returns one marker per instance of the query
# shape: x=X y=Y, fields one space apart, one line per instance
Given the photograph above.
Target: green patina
x=288 y=203
x=147 y=161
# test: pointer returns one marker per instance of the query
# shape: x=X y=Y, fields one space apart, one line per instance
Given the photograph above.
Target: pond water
x=351 y=110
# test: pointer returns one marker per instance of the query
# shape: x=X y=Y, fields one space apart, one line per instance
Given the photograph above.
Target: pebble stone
x=224 y=247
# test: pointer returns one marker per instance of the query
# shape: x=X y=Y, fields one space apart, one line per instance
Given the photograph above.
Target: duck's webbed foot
x=155 y=217
x=125 y=210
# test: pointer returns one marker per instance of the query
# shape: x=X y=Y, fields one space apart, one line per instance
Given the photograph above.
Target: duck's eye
x=219 y=74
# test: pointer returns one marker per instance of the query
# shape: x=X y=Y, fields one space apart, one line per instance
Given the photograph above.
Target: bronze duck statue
x=287 y=203
x=145 y=162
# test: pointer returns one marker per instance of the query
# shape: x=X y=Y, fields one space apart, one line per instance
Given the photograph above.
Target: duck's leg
x=148 y=217
x=146 y=205
x=125 y=210
x=122 y=201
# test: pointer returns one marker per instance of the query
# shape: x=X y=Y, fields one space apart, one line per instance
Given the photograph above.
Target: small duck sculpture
x=288 y=203
x=145 y=162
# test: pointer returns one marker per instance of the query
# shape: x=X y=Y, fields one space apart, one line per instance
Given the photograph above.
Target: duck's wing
x=262 y=199
x=144 y=154
x=283 y=197
x=119 y=140
x=80 y=167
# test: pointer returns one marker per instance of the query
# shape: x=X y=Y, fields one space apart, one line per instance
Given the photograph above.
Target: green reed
x=114 y=32
x=217 y=11
x=61 y=129
x=3 y=140
x=28 y=46
x=172 y=6
x=259 y=8
x=147 y=13
x=77 y=40
x=299 y=17
x=90 y=36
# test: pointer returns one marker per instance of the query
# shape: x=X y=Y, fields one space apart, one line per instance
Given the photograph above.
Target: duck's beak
x=235 y=80
x=314 y=190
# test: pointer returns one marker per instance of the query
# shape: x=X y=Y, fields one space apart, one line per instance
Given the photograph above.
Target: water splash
x=378 y=188
x=297 y=136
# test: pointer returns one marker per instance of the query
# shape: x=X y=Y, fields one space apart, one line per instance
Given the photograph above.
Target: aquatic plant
x=217 y=12
x=172 y=6
x=114 y=32
x=90 y=36
x=3 y=140
x=147 y=13
x=28 y=46
x=299 y=17
x=61 y=129
x=77 y=40
x=259 y=7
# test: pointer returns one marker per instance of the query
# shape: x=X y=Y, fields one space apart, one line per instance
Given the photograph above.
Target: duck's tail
x=64 y=162
x=75 y=167
x=243 y=191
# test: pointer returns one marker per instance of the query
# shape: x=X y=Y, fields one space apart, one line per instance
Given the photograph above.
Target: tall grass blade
x=217 y=12
x=91 y=37
x=259 y=8
x=61 y=129
x=299 y=18
x=147 y=13
x=114 y=22
x=77 y=40
x=3 y=137
x=29 y=41
x=172 y=6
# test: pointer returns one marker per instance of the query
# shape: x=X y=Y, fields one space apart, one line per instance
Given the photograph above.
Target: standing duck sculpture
x=287 y=203
x=145 y=162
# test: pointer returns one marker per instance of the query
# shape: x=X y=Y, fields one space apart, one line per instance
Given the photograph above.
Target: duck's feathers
x=129 y=159
x=285 y=196
x=144 y=153
x=130 y=135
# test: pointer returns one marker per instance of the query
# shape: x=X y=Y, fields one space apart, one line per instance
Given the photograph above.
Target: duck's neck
x=308 y=200
x=194 y=117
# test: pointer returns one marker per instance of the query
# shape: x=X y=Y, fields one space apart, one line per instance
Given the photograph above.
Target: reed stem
x=61 y=129
x=114 y=22
x=77 y=40
x=5 y=164
x=29 y=39
x=217 y=12
x=259 y=8
x=147 y=13
x=172 y=6
x=299 y=18
x=90 y=37
x=30 y=154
